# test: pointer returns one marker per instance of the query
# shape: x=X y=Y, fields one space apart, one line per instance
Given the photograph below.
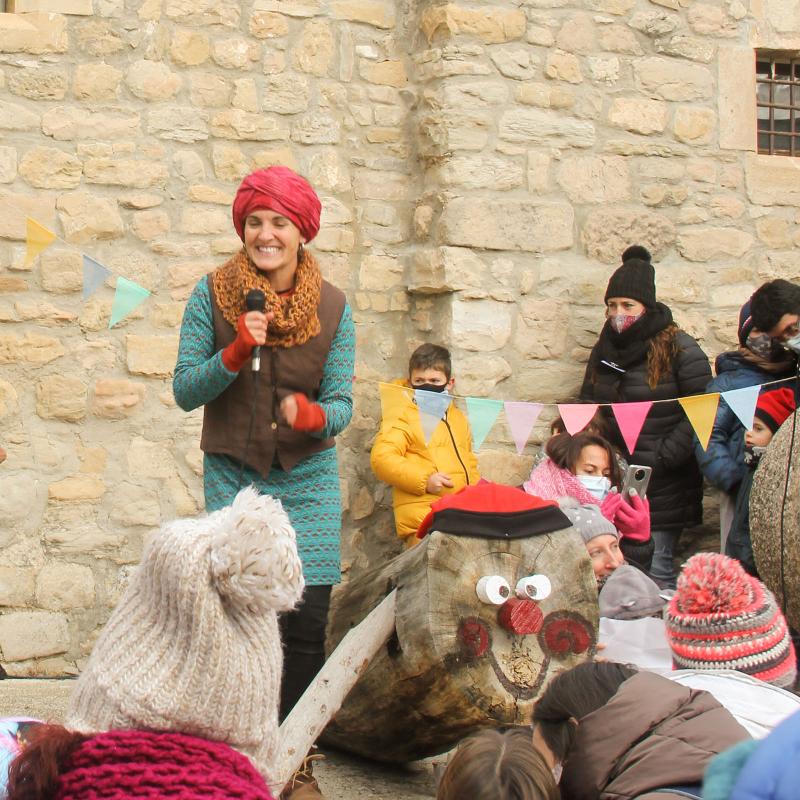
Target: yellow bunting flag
x=701 y=409
x=394 y=398
x=37 y=238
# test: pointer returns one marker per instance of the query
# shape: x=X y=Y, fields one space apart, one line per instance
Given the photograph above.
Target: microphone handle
x=256 y=358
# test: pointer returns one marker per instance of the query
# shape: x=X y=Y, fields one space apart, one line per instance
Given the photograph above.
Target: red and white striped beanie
x=722 y=618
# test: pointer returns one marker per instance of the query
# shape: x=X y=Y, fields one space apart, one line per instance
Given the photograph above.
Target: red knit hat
x=119 y=765
x=774 y=407
x=722 y=618
x=282 y=190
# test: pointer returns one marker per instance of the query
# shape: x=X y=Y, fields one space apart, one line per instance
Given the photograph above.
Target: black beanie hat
x=636 y=278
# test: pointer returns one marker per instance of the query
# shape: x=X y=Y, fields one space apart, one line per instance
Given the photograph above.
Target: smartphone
x=637 y=477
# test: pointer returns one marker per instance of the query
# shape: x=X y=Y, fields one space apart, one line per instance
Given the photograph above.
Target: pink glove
x=633 y=518
x=609 y=506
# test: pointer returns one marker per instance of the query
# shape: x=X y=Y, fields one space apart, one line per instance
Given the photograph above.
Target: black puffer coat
x=666 y=442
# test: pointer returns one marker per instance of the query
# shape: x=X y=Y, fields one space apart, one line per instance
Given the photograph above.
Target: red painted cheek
x=520 y=616
x=474 y=637
x=566 y=635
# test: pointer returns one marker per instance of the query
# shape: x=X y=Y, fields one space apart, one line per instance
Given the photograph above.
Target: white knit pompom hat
x=193 y=646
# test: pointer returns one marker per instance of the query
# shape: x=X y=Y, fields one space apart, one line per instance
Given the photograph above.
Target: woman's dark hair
x=771 y=301
x=565 y=451
x=34 y=773
x=571 y=696
x=498 y=765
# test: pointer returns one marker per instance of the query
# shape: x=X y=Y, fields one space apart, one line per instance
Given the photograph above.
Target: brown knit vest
x=284 y=371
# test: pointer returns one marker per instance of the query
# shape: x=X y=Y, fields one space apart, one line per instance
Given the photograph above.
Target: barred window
x=778 y=104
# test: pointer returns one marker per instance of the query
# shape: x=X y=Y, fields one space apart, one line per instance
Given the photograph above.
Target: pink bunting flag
x=576 y=416
x=630 y=419
x=521 y=418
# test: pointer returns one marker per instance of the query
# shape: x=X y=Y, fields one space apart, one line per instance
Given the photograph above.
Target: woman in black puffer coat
x=643 y=355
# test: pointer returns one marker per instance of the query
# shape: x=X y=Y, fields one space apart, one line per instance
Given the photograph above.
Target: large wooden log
x=775 y=519
x=451 y=667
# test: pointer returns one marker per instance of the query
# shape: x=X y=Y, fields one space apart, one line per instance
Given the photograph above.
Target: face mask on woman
x=794 y=343
x=597 y=485
x=621 y=322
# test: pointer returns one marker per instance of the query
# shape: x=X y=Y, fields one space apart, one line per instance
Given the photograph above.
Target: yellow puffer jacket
x=401 y=458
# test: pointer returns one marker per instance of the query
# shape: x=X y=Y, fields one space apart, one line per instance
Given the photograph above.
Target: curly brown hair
x=661 y=354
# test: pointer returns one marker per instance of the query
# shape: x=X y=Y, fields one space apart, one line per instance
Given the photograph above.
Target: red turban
x=282 y=190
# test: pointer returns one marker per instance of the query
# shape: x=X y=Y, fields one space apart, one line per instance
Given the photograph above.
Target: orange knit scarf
x=296 y=318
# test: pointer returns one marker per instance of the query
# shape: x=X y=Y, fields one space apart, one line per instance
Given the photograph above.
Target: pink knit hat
x=722 y=618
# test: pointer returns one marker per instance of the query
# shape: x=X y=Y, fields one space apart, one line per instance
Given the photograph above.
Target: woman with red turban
x=275 y=428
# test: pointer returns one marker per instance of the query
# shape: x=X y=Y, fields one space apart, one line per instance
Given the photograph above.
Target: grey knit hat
x=630 y=594
x=193 y=645
x=587 y=519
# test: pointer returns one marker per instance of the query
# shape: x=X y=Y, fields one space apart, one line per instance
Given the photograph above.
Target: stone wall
x=481 y=167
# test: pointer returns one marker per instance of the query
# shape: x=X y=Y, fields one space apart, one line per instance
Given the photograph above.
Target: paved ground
x=341 y=777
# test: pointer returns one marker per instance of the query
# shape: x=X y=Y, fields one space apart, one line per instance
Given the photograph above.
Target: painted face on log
x=516 y=619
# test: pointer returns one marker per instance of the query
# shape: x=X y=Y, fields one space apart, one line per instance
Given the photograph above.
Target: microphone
x=256 y=301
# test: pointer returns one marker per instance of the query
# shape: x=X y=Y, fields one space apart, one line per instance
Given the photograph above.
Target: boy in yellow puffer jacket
x=420 y=473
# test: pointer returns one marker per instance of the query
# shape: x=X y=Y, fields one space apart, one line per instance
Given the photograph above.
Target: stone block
x=384 y=73
x=772 y=181
x=32 y=634
x=314 y=50
x=577 y=34
x=603 y=68
x=61 y=397
x=153 y=356
x=293 y=8
x=31 y=348
x=704 y=244
x=8 y=164
x=480 y=325
x=76 y=487
x=150 y=224
x=152 y=81
x=38 y=84
x=515 y=61
x=237 y=124
x=36 y=33
x=138 y=174
x=85 y=216
x=477 y=376
x=209 y=90
x=267 y=25
x=135 y=505
x=96 y=82
x=594 y=179
x=189 y=48
x=286 y=93
x=529 y=125
x=16 y=586
x=561 y=66
x=490 y=24
x=481 y=172
x=72 y=7
x=619 y=39
x=236 y=52
x=204 y=220
x=774 y=232
x=9 y=401
x=541 y=332
x=378 y=13
x=638 y=115
x=49 y=168
x=63 y=586
x=608 y=231
x=67 y=123
x=178 y=123
x=507 y=224
x=694 y=125
x=445 y=270
x=380 y=272
x=14 y=117
x=736 y=91
x=205 y=12
x=149 y=460
x=688 y=47
x=316 y=128
x=672 y=79
x=117 y=398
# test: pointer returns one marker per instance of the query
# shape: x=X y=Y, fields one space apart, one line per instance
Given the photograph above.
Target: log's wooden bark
x=775 y=519
x=324 y=696
x=451 y=666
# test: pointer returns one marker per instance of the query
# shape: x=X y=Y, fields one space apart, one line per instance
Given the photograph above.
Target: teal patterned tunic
x=310 y=491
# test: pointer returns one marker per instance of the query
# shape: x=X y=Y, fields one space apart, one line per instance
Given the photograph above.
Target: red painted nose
x=520 y=616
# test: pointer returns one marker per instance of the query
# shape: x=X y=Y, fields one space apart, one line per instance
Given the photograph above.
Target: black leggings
x=303 y=635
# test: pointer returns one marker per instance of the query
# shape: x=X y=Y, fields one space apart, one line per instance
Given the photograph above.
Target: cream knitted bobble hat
x=193 y=645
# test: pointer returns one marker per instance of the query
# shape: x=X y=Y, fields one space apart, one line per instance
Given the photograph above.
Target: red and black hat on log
x=493 y=511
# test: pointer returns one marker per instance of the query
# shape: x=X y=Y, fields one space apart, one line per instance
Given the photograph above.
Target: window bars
x=778 y=104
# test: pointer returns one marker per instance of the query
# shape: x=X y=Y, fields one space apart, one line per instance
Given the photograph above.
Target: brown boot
x=303 y=785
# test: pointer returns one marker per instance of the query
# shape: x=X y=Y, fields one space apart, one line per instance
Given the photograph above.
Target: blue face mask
x=597 y=485
x=794 y=343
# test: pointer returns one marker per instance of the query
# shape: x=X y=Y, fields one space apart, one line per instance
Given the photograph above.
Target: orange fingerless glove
x=236 y=354
x=310 y=416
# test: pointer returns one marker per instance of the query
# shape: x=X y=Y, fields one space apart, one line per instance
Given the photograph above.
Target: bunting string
x=127 y=294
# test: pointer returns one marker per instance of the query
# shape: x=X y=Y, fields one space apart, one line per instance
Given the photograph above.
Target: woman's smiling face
x=272 y=241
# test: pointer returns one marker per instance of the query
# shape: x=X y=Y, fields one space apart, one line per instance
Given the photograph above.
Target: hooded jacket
x=652 y=734
x=401 y=458
x=666 y=441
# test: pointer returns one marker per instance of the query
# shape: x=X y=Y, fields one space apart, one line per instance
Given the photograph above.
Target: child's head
x=772 y=410
x=498 y=765
x=429 y=366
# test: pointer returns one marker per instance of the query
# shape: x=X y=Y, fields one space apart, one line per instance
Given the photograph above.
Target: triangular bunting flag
x=37 y=238
x=482 y=412
x=432 y=406
x=127 y=296
x=521 y=417
x=701 y=409
x=394 y=398
x=576 y=416
x=743 y=403
x=630 y=418
x=94 y=274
